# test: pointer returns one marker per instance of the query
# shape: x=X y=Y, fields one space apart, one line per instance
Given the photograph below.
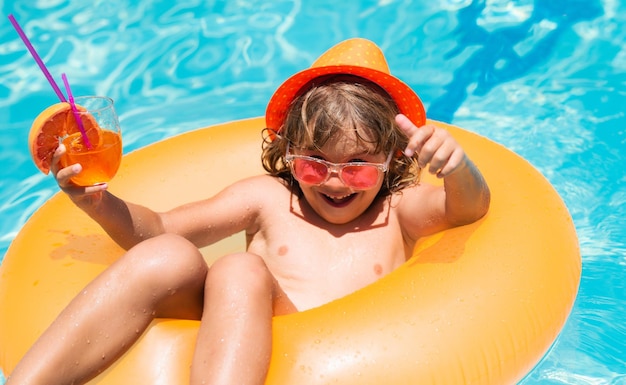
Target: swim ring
x=478 y=304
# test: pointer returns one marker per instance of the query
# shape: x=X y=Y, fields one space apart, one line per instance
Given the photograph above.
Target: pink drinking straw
x=54 y=85
x=37 y=58
x=75 y=112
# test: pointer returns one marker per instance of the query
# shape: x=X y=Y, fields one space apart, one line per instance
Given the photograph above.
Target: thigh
x=281 y=302
x=170 y=272
x=247 y=273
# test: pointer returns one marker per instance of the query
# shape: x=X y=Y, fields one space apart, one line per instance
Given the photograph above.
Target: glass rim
x=104 y=103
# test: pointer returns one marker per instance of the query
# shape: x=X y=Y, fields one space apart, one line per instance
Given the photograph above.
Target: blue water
x=546 y=78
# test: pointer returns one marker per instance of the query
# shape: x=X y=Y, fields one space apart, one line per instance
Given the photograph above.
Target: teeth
x=338 y=198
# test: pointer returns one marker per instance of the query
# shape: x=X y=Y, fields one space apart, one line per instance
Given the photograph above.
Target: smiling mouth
x=339 y=201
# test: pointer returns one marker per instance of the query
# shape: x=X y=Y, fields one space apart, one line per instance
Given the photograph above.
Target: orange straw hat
x=359 y=57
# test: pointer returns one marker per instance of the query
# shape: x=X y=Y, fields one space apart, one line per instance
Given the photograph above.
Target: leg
x=110 y=314
x=235 y=337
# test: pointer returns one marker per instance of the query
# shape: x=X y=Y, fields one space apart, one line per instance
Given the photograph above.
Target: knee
x=167 y=260
x=242 y=272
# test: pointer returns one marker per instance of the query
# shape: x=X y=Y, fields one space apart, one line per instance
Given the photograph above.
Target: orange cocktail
x=99 y=163
x=101 y=157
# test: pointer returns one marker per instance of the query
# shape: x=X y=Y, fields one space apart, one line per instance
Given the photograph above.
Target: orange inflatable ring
x=479 y=304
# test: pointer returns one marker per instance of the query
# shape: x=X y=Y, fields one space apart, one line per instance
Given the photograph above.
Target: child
x=341 y=207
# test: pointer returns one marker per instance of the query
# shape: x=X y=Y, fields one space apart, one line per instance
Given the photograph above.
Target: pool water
x=545 y=78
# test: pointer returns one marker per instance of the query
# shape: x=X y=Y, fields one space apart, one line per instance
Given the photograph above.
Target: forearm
x=467 y=194
x=126 y=223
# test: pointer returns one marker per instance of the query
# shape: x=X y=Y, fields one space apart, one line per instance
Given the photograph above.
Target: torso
x=316 y=262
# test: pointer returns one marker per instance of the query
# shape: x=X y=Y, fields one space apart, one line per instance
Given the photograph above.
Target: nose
x=334 y=178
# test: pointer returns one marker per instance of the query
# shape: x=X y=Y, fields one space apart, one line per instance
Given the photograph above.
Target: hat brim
x=405 y=98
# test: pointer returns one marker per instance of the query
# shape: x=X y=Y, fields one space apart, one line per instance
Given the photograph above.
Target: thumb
x=406 y=125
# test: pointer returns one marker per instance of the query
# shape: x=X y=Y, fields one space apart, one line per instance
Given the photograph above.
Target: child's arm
x=465 y=196
x=126 y=223
x=202 y=222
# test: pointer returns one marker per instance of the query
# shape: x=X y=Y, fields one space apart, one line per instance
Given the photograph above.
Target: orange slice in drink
x=50 y=126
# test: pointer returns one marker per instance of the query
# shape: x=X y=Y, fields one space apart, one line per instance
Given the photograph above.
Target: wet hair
x=339 y=104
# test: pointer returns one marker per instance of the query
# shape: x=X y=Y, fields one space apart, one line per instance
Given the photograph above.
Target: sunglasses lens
x=360 y=177
x=309 y=171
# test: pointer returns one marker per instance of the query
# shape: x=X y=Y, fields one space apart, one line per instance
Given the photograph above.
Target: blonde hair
x=342 y=103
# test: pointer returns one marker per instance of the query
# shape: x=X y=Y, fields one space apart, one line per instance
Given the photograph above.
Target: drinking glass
x=101 y=158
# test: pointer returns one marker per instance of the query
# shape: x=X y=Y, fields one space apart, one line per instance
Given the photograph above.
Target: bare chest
x=316 y=264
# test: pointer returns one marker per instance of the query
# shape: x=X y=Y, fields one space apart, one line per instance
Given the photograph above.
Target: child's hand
x=434 y=146
x=63 y=176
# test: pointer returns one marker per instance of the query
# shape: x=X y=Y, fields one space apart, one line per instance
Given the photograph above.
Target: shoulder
x=248 y=192
x=257 y=189
x=242 y=205
x=259 y=185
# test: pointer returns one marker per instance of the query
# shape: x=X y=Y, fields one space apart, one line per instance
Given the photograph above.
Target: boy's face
x=333 y=200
